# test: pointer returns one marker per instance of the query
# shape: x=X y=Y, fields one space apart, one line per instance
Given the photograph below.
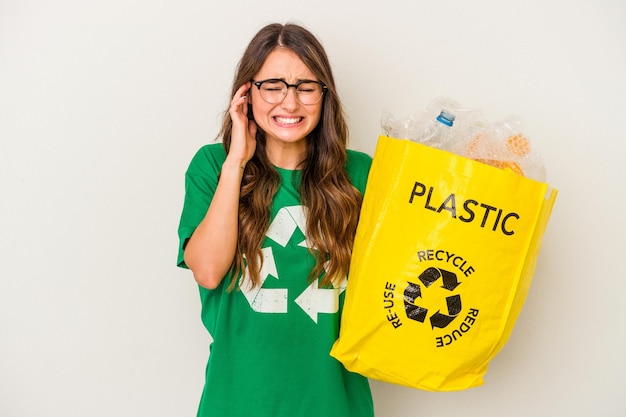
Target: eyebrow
x=297 y=80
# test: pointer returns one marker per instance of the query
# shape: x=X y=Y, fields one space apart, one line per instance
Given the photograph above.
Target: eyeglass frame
x=295 y=87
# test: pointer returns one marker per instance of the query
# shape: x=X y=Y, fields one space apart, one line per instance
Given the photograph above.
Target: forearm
x=211 y=249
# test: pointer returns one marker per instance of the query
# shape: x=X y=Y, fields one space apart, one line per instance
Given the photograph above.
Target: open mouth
x=288 y=120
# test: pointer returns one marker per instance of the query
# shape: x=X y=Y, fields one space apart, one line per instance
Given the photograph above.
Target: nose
x=291 y=99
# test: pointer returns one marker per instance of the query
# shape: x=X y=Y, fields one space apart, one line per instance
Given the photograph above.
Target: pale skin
x=211 y=249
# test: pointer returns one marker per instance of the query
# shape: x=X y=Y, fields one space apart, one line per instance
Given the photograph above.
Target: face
x=288 y=123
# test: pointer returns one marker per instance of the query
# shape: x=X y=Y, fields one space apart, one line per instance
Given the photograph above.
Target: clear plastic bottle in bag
x=438 y=133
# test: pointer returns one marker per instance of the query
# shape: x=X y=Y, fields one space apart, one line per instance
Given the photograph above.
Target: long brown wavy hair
x=332 y=204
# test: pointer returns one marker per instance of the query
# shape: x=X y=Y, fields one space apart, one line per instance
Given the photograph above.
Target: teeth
x=288 y=120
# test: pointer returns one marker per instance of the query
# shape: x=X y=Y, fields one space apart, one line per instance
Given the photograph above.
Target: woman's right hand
x=243 y=136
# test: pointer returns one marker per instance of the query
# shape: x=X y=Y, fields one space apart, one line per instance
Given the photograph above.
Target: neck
x=287 y=156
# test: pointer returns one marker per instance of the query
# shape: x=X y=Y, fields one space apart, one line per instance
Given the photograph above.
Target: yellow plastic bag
x=443 y=259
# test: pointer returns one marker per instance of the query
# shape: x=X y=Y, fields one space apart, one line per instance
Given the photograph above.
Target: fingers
x=239 y=103
x=243 y=135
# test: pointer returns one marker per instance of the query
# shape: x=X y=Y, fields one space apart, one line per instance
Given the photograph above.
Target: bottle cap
x=446 y=118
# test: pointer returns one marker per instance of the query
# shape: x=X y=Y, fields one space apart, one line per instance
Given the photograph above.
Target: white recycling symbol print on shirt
x=313 y=300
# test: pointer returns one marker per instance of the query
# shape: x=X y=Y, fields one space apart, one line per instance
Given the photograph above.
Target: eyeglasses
x=274 y=90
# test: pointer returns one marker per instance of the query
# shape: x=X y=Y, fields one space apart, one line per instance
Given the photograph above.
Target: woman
x=267 y=229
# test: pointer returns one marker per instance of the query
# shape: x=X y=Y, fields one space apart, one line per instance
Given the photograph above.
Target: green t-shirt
x=270 y=351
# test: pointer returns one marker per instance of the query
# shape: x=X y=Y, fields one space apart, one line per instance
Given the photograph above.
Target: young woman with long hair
x=267 y=229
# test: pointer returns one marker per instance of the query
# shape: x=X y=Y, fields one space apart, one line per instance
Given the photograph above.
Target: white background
x=103 y=103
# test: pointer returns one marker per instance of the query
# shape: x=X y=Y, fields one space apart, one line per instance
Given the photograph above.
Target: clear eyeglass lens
x=275 y=91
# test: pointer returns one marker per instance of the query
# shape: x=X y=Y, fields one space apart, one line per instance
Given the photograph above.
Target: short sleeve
x=200 y=184
x=358 y=168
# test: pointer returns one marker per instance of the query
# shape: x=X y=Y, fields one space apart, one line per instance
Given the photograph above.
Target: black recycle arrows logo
x=414 y=291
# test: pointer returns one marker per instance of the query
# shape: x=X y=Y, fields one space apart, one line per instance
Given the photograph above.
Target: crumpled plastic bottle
x=438 y=133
